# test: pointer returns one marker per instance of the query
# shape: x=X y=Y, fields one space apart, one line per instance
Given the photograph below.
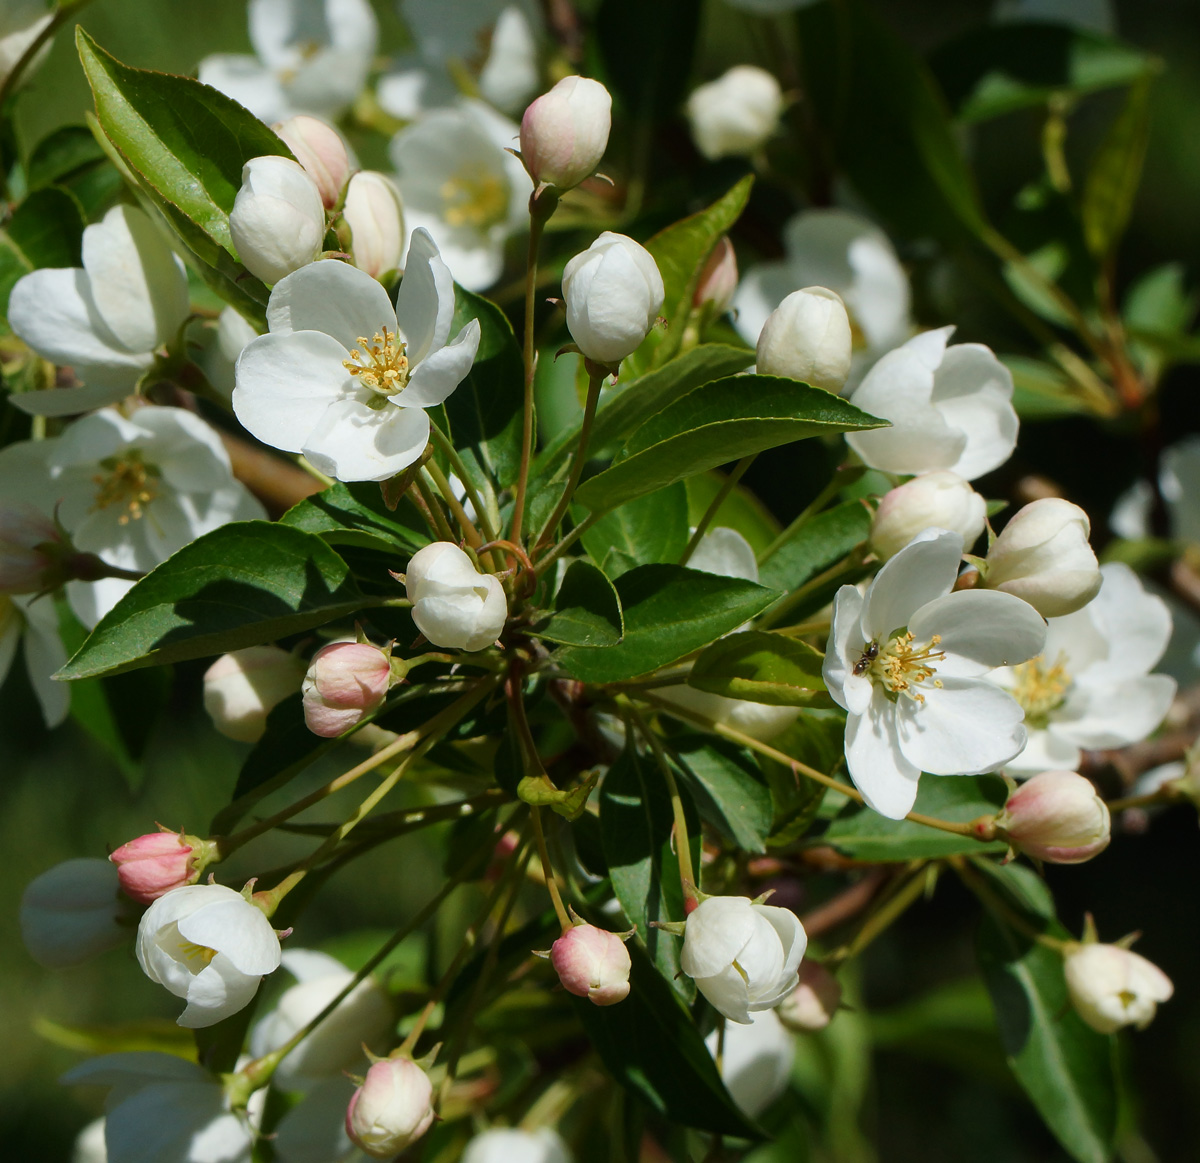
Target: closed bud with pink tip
x=592 y=963
x=345 y=682
x=1056 y=816
x=156 y=863
x=564 y=133
x=319 y=148
x=391 y=1109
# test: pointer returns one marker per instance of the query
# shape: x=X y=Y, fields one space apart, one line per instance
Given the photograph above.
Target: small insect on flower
x=869 y=654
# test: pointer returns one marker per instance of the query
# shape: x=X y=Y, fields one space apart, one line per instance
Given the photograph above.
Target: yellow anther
x=193 y=952
x=380 y=363
x=1040 y=688
x=128 y=482
x=901 y=667
x=474 y=197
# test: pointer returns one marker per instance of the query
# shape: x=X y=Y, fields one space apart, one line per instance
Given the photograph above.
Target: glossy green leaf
x=818 y=544
x=587 y=611
x=863 y=834
x=669 y=612
x=650 y=529
x=815 y=739
x=716 y=424
x=71 y=158
x=240 y=585
x=1115 y=174
x=762 y=667
x=354 y=514
x=728 y=788
x=47 y=228
x=651 y=1046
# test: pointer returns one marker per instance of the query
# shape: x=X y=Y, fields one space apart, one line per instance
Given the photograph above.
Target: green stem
x=558 y=550
x=539 y=836
x=726 y=488
x=887 y=913
x=440 y=524
x=482 y=513
x=996 y=904
x=442 y=484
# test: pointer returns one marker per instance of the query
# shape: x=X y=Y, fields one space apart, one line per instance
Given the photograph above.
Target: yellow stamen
x=129 y=483
x=380 y=363
x=901 y=667
x=1040 y=688
x=193 y=952
x=474 y=197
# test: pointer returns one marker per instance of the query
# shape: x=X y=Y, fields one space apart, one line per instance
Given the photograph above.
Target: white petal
x=333 y=297
x=990 y=423
x=727 y=992
x=440 y=373
x=1044 y=750
x=716 y=934
x=475 y=259
x=425 y=301
x=449 y=620
x=846 y=640
x=1135 y=625
x=979 y=633
x=237 y=929
x=44 y=654
x=311 y=965
x=243 y=78
x=879 y=769
x=286 y=382
x=353 y=442
x=1114 y=716
x=727 y=553
x=73 y=401
x=923 y=570
x=965 y=727
x=215 y=993
x=762 y=289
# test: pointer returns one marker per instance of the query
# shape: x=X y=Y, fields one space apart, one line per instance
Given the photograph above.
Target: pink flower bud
x=391 y=1109
x=564 y=133
x=319 y=148
x=345 y=682
x=154 y=864
x=812 y=1004
x=26 y=536
x=592 y=963
x=719 y=278
x=1056 y=816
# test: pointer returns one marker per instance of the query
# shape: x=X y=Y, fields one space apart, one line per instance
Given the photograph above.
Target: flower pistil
x=380 y=363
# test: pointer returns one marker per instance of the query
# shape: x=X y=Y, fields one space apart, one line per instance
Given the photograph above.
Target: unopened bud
x=940 y=499
x=719 y=278
x=345 y=682
x=613 y=292
x=564 y=133
x=1111 y=986
x=812 y=1004
x=454 y=605
x=72 y=912
x=1056 y=816
x=1042 y=555
x=735 y=114
x=807 y=337
x=30 y=550
x=278 y=218
x=319 y=148
x=152 y=865
x=592 y=963
x=241 y=688
x=375 y=215
x=391 y=1109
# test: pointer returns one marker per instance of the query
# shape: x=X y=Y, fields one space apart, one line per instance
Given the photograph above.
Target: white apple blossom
x=736 y=114
x=32 y=622
x=513 y=1145
x=375 y=215
x=907 y=661
x=564 y=133
x=89 y=1144
x=391 y=1109
x=105 y=321
x=1091 y=686
x=743 y=956
x=131 y=489
x=74 y=911
x=950 y=408
x=164 y=1109
x=21 y=23
x=459 y=184
x=1111 y=986
x=454 y=605
x=209 y=945
x=345 y=377
x=220 y=347
x=312 y=56
x=851 y=256
x=756 y=1060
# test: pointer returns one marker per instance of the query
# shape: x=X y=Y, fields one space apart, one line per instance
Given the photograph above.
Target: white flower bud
x=241 y=688
x=454 y=605
x=812 y=1004
x=391 y=1109
x=1111 y=987
x=72 y=912
x=564 y=133
x=743 y=956
x=513 y=1145
x=939 y=499
x=735 y=114
x=613 y=292
x=278 y=219
x=592 y=963
x=375 y=215
x=719 y=278
x=807 y=337
x=1043 y=556
x=345 y=682
x=1056 y=816
x=319 y=148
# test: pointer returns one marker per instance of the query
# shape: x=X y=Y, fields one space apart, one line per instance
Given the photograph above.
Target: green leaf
x=818 y=544
x=651 y=1046
x=1041 y=391
x=1064 y=1066
x=863 y=834
x=1115 y=174
x=485 y=409
x=762 y=667
x=48 y=229
x=741 y=510
x=587 y=611
x=716 y=424
x=650 y=529
x=635 y=833
x=71 y=157
x=669 y=612
x=243 y=584
x=816 y=738
x=997 y=69
x=354 y=514
x=728 y=788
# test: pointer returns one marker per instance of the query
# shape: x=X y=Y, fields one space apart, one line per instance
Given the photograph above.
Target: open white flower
x=164 y=1109
x=345 y=377
x=32 y=621
x=313 y=56
x=1091 y=685
x=107 y=320
x=907 y=662
x=851 y=256
x=458 y=183
x=950 y=408
x=132 y=490
x=210 y=945
x=736 y=114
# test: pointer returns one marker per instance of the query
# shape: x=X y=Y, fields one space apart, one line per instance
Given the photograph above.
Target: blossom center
x=127 y=482
x=474 y=197
x=380 y=363
x=195 y=956
x=1040 y=688
x=901 y=666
